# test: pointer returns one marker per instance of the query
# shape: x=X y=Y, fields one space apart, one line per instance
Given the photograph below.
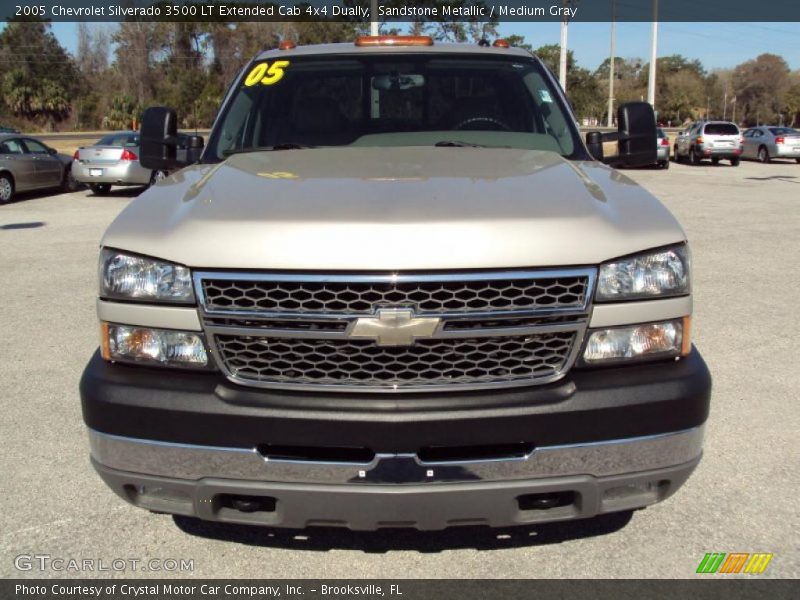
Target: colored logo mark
x=735 y=562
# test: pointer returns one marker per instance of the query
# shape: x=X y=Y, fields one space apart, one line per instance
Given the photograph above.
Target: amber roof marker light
x=501 y=44
x=287 y=45
x=394 y=40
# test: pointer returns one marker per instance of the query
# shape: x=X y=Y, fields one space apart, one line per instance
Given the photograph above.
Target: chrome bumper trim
x=604 y=458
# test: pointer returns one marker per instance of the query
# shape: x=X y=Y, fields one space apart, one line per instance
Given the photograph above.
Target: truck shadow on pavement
x=386 y=540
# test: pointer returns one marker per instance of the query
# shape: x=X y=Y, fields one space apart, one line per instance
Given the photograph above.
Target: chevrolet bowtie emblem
x=394 y=327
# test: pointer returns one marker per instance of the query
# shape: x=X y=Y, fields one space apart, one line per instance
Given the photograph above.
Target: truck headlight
x=158 y=347
x=658 y=273
x=638 y=342
x=127 y=277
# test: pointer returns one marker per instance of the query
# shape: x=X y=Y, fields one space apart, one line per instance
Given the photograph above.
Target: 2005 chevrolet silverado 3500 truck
x=395 y=289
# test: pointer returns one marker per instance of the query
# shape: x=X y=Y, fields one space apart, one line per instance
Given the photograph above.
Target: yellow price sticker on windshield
x=266 y=74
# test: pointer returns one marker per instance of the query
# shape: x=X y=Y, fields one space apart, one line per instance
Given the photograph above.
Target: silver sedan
x=27 y=164
x=113 y=160
x=769 y=141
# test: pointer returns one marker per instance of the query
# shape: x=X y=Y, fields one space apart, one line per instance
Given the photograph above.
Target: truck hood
x=408 y=208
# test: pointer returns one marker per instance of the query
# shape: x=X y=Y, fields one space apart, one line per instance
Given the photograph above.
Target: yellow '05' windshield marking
x=266 y=73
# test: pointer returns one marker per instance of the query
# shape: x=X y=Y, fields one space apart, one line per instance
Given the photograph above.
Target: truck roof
x=351 y=48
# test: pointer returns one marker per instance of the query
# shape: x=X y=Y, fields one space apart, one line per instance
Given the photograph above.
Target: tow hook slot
x=546 y=501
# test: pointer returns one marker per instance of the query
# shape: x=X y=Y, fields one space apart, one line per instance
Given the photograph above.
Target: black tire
x=715 y=161
x=734 y=162
x=694 y=160
x=797 y=160
x=763 y=155
x=6 y=188
x=675 y=156
x=665 y=164
x=100 y=189
x=69 y=183
x=157 y=176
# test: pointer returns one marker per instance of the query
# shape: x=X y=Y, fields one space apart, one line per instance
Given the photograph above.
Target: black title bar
x=392 y=11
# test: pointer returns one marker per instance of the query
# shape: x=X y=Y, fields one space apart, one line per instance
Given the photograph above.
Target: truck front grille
x=364 y=297
x=427 y=362
x=481 y=329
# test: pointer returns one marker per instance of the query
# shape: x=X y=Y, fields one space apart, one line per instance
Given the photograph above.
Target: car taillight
x=699 y=140
x=665 y=141
x=741 y=139
x=128 y=155
x=77 y=155
x=780 y=140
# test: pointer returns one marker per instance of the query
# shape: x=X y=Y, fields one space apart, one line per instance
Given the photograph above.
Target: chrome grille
x=427 y=362
x=490 y=329
x=425 y=297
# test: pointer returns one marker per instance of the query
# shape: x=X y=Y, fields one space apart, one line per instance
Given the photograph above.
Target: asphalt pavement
x=744 y=228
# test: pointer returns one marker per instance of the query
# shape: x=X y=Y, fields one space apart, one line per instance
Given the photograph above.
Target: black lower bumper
x=206 y=409
x=426 y=506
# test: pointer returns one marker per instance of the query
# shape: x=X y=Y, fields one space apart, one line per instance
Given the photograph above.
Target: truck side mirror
x=194 y=148
x=158 y=149
x=637 y=134
x=635 y=137
x=594 y=144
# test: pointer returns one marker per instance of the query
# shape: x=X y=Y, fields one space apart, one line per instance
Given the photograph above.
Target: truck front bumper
x=598 y=441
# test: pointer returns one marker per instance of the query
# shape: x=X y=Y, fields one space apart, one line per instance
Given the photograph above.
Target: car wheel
x=675 y=156
x=70 y=184
x=665 y=164
x=715 y=161
x=6 y=188
x=763 y=154
x=734 y=162
x=100 y=189
x=157 y=176
x=694 y=160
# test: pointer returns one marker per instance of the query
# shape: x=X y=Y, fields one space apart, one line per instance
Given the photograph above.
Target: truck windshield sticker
x=545 y=96
x=266 y=73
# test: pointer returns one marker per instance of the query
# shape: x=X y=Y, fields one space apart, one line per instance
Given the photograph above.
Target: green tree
x=122 y=113
x=38 y=79
x=761 y=86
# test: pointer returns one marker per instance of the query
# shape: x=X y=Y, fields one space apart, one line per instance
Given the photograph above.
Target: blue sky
x=717 y=45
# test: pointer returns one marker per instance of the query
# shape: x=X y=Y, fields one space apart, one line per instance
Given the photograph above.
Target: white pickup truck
x=395 y=289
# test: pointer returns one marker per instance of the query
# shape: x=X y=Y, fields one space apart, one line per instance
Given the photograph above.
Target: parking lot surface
x=744 y=228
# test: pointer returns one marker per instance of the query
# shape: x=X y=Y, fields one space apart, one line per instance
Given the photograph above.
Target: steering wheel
x=490 y=120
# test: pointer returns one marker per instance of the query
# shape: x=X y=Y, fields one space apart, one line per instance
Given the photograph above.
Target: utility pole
x=733 y=117
x=651 y=82
x=708 y=107
x=610 y=120
x=725 y=104
x=562 y=64
x=373 y=17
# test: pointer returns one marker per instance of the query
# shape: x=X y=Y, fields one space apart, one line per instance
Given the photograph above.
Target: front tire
x=100 y=189
x=70 y=184
x=763 y=155
x=6 y=189
x=157 y=176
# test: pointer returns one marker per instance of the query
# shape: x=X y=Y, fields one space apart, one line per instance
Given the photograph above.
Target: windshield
x=397 y=100
x=783 y=131
x=119 y=139
x=721 y=129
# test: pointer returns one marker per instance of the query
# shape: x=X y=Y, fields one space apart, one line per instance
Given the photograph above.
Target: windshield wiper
x=286 y=146
x=460 y=144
